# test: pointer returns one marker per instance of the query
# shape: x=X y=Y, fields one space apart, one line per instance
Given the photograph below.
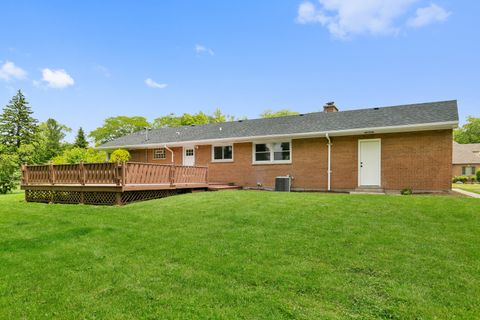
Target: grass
x=242 y=255
x=468 y=187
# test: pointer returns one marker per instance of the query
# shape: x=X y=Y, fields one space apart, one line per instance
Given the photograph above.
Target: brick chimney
x=330 y=107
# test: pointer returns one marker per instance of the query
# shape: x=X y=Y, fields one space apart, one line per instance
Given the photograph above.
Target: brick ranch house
x=466 y=159
x=385 y=148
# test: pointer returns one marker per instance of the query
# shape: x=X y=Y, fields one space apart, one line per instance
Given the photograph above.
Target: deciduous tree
x=77 y=155
x=469 y=132
x=280 y=113
x=187 y=119
x=120 y=155
x=50 y=139
x=9 y=172
x=116 y=127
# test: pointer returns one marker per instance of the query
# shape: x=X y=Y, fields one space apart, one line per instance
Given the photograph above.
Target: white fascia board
x=333 y=133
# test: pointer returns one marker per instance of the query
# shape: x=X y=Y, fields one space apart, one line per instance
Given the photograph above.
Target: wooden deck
x=109 y=183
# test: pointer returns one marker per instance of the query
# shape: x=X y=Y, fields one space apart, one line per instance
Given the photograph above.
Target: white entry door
x=369 y=167
x=189 y=156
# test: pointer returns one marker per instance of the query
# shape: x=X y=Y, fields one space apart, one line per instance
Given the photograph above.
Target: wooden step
x=219 y=187
x=220 y=183
x=368 y=190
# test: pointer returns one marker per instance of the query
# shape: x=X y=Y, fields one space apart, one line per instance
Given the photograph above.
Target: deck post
x=51 y=174
x=118 y=176
x=82 y=173
x=124 y=173
x=172 y=175
x=118 y=198
x=206 y=175
x=24 y=174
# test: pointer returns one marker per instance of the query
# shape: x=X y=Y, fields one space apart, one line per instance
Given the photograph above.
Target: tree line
x=119 y=126
x=23 y=140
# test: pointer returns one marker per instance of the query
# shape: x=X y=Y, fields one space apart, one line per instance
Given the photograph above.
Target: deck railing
x=120 y=174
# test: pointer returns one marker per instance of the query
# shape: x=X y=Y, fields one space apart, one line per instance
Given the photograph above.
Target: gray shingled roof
x=466 y=153
x=422 y=113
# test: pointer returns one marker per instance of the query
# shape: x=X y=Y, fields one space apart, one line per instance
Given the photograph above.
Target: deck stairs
x=219 y=186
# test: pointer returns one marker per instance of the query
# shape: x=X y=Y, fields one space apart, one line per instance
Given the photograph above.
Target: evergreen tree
x=17 y=126
x=80 y=140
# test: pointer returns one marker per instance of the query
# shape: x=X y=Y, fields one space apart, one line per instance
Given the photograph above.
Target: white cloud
x=58 y=79
x=152 y=84
x=199 y=49
x=103 y=70
x=344 y=18
x=428 y=15
x=9 y=71
x=308 y=13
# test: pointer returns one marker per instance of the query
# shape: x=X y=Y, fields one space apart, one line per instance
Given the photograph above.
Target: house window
x=468 y=171
x=159 y=154
x=276 y=152
x=189 y=152
x=222 y=153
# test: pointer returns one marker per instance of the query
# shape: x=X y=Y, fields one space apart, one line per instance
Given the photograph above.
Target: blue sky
x=80 y=62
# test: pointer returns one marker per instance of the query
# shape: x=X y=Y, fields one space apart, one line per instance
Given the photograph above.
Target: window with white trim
x=222 y=153
x=159 y=154
x=468 y=171
x=275 y=152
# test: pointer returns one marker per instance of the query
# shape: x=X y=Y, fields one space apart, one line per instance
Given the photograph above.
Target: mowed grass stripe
x=242 y=255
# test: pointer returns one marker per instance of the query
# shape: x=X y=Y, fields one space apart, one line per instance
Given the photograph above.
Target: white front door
x=369 y=166
x=189 y=156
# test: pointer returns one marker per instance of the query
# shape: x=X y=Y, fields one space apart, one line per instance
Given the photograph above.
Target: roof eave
x=332 y=133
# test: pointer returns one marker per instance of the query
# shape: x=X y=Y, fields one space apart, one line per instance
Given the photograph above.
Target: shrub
x=9 y=172
x=77 y=155
x=478 y=175
x=461 y=179
x=120 y=155
x=406 y=191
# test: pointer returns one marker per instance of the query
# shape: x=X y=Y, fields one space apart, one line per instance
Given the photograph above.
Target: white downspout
x=171 y=151
x=329 y=161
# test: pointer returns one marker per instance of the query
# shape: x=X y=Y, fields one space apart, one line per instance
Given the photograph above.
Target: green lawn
x=468 y=187
x=242 y=254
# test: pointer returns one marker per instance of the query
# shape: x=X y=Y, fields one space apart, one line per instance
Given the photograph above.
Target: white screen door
x=188 y=156
x=369 y=162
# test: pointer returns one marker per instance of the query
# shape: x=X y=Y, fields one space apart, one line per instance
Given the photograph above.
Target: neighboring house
x=389 y=148
x=466 y=159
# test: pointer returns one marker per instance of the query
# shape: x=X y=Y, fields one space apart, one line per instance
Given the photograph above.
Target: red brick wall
x=457 y=168
x=308 y=166
x=419 y=160
x=146 y=155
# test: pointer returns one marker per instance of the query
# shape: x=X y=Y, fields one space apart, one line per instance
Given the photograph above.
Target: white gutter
x=329 y=161
x=359 y=131
x=171 y=151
